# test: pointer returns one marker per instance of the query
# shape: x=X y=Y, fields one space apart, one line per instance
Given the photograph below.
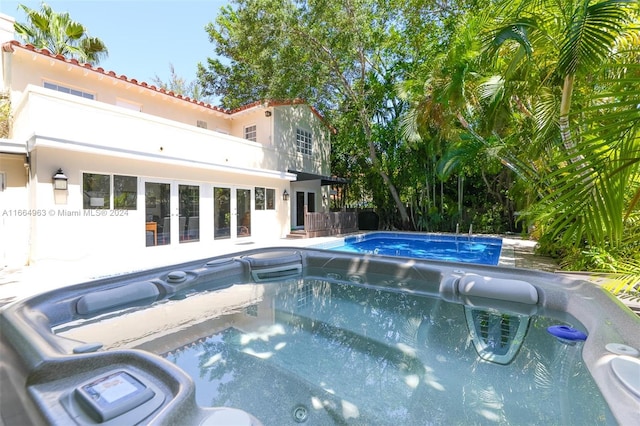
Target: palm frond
x=591 y=34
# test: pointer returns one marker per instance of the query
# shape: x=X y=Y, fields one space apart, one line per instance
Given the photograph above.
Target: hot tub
x=289 y=336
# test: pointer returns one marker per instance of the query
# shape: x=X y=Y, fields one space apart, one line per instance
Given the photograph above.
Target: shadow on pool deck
x=526 y=258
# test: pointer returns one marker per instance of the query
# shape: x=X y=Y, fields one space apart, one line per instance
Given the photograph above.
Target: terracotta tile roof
x=10 y=45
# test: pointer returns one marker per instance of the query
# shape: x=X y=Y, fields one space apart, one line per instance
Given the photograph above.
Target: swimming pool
x=288 y=336
x=451 y=248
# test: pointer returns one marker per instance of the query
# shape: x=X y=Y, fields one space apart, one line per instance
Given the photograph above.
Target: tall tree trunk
x=565 y=106
x=563 y=123
x=373 y=155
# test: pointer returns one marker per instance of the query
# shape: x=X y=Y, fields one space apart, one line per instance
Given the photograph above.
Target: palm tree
x=60 y=35
x=582 y=34
x=590 y=52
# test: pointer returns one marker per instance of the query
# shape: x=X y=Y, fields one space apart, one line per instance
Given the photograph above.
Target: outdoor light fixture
x=285 y=195
x=267 y=113
x=60 y=181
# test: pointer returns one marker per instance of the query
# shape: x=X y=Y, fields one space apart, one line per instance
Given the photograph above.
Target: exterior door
x=243 y=212
x=221 y=213
x=189 y=213
x=311 y=202
x=158 y=213
x=299 y=209
x=231 y=212
x=172 y=213
x=301 y=203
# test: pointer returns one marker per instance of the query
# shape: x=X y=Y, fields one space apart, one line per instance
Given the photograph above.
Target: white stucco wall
x=66 y=231
x=33 y=68
x=157 y=142
x=287 y=120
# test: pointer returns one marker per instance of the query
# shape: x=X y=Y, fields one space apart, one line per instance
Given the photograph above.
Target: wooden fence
x=330 y=223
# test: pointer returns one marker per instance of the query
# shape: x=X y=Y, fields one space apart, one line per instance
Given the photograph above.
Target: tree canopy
x=516 y=115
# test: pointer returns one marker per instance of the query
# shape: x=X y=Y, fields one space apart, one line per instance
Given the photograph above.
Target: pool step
x=297 y=234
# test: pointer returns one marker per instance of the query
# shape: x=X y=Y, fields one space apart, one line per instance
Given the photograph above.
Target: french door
x=231 y=212
x=301 y=203
x=172 y=212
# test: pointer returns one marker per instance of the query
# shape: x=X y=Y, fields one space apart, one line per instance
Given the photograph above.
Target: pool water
x=335 y=353
x=451 y=248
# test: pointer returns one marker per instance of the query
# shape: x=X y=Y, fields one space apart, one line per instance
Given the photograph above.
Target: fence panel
x=322 y=224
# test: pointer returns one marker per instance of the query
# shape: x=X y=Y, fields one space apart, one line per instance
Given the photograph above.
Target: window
x=250 y=133
x=96 y=190
x=304 y=142
x=125 y=192
x=69 y=90
x=202 y=124
x=265 y=198
x=259 y=194
x=271 y=199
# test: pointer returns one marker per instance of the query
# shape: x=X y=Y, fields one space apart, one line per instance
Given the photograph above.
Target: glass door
x=221 y=213
x=189 y=213
x=243 y=212
x=172 y=213
x=299 y=209
x=311 y=202
x=157 y=213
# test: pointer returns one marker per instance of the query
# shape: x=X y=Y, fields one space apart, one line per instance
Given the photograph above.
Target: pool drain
x=300 y=413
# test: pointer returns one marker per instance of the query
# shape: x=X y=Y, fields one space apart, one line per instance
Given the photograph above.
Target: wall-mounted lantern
x=60 y=181
x=267 y=113
x=285 y=196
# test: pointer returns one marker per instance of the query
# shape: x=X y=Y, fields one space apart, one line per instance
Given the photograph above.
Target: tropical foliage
x=587 y=122
x=60 y=34
x=501 y=115
x=518 y=115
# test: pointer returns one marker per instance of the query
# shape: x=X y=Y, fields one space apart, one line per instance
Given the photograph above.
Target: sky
x=143 y=36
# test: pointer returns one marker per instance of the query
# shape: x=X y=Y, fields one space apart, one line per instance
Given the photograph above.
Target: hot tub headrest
x=511 y=290
x=129 y=294
x=273 y=265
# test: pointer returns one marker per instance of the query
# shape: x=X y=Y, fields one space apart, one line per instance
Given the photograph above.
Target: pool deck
x=20 y=282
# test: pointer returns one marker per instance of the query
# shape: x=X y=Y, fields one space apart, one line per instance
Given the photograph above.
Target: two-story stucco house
x=101 y=163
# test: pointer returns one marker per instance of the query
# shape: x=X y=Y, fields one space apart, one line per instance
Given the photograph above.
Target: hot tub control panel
x=112 y=395
x=118 y=396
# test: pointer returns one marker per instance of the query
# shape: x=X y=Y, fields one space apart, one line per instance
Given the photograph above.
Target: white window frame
x=68 y=89
x=304 y=142
x=265 y=202
x=251 y=133
x=109 y=203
